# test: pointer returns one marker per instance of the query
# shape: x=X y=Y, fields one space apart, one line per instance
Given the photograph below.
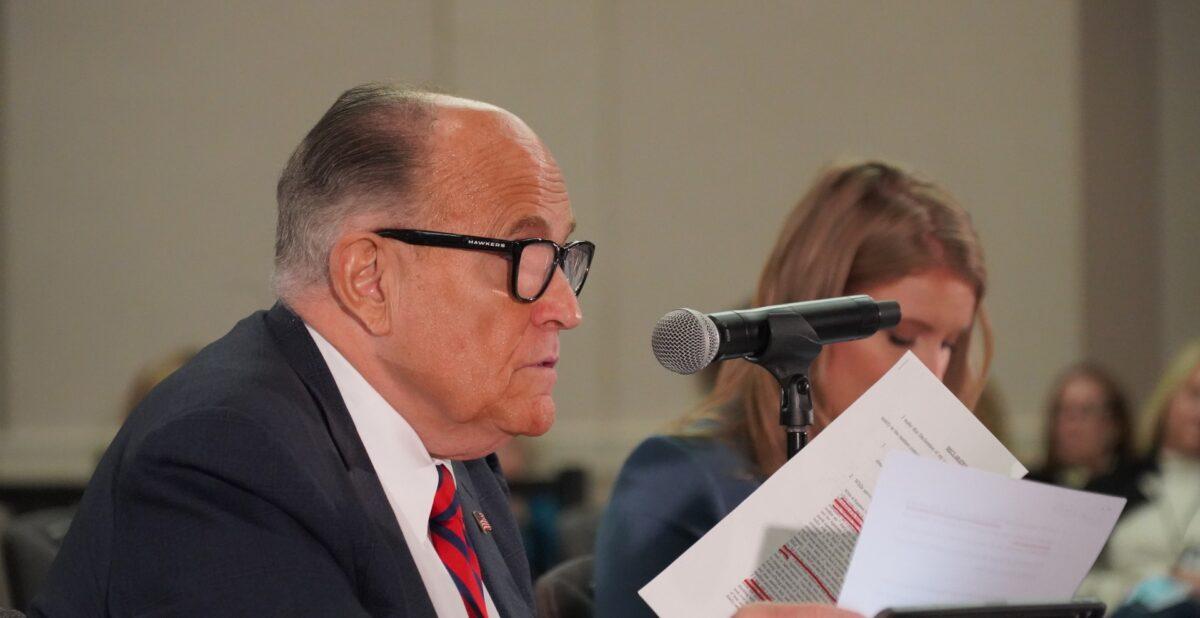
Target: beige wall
x=1123 y=216
x=1141 y=221
x=1179 y=172
x=142 y=140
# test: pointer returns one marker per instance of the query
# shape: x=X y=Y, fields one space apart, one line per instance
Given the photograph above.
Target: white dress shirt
x=407 y=472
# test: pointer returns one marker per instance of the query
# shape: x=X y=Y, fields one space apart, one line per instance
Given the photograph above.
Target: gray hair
x=361 y=157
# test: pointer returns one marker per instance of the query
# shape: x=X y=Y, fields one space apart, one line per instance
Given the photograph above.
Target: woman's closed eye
x=900 y=342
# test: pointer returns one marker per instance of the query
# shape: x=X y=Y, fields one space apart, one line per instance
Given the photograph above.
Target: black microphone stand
x=789 y=354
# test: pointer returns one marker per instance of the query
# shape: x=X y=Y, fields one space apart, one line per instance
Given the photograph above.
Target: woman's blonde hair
x=1154 y=414
x=859 y=225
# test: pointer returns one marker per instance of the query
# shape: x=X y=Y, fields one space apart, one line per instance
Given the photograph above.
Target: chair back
x=31 y=542
x=566 y=591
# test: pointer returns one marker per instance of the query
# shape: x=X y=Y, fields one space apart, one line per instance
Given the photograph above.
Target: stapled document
x=949 y=535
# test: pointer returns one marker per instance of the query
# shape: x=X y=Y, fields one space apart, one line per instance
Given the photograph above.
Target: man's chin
x=537 y=418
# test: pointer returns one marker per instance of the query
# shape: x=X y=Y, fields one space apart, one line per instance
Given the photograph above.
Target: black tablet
x=1074 y=609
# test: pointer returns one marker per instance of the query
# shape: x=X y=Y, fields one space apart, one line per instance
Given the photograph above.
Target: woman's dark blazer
x=669 y=493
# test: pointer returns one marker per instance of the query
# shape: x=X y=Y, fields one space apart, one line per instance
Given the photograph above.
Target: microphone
x=686 y=341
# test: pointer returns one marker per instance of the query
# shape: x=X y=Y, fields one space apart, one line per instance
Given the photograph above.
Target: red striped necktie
x=449 y=537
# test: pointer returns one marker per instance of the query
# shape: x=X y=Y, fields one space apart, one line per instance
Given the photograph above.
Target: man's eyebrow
x=535 y=224
x=529 y=223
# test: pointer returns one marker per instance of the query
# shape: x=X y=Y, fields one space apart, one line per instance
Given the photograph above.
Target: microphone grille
x=685 y=341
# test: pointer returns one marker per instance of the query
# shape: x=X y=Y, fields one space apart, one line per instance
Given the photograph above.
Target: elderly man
x=331 y=456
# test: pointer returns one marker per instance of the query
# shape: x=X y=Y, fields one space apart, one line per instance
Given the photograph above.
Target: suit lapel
x=500 y=572
x=306 y=360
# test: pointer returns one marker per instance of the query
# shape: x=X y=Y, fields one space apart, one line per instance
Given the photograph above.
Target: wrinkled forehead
x=490 y=172
x=472 y=134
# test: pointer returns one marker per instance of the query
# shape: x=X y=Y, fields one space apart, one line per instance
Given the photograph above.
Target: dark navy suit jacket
x=240 y=487
x=670 y=492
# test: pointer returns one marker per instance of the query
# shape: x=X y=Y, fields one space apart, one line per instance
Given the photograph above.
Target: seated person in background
x=151 y=374
x=557 y=520
x=1089 y=433
x=868 y=228
x=1169 y=596
x=1162 y=517
x=45 y=529
x=332 y=456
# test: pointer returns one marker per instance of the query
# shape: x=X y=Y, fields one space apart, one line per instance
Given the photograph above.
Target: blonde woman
x=867 y=228
x=1162 y=518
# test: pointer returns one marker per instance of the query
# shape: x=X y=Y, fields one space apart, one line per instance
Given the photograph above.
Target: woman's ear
x=357 y=264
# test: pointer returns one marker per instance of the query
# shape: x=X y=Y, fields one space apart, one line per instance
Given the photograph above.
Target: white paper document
x=949 y=535
x=792 y=539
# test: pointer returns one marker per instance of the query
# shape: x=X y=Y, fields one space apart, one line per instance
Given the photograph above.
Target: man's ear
x=356 y=268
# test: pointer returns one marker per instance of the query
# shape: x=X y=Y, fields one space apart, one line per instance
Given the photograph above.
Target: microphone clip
x=792 y=348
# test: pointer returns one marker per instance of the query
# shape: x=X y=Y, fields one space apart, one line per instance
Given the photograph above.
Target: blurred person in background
x=35 y=537
x=1170 y=596
x=864 y=228
x=1162 y=519
x=557 y=520
x=1089 y=430
x=154 y=372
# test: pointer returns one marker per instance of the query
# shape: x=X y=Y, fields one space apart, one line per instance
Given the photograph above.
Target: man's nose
x=559 y=305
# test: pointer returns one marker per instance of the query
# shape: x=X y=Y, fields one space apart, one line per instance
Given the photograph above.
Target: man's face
x=471 y=355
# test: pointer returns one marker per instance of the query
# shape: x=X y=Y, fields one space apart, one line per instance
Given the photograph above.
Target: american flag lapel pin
x=481 y=520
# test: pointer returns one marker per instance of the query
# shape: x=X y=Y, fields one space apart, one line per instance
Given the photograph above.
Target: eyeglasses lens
x=537 y=260
x=578 y=258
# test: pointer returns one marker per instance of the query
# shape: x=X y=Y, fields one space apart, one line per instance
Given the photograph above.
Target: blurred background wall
x=141 y=142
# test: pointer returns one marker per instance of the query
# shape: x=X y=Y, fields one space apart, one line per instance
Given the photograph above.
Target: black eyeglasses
x=533 y=259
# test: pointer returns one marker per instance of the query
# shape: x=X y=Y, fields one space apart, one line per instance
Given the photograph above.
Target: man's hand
x=787 y=610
